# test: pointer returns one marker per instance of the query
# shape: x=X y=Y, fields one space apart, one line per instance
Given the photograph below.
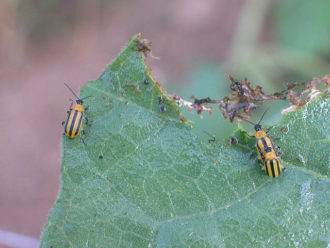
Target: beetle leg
x=82 y=137
x=268 y=129
x=276 y=148
x=87 y=121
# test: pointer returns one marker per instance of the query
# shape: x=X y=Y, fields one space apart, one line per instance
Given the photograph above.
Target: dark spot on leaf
x=233 y=140
x=162 y=108
x=146 y=81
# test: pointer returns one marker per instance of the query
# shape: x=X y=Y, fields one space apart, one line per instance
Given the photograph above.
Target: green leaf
x=305 y=135
x=157 y=185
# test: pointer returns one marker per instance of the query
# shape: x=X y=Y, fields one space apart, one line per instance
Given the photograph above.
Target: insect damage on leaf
x=144 y=46
x=165 y=103
x=198 y=105
x=134 y=86
x=244 y=98
x=301 y=93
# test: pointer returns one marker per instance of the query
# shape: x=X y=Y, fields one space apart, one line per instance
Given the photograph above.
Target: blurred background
x=46 y=43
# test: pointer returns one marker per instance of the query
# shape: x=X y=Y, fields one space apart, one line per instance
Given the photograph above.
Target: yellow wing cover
x=73 y=124
x=265 y=149
x=273 y=167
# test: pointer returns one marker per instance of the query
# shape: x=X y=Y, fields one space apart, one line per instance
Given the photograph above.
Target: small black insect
x=146 y=81
x=232 y=140
x=211 y=135
x=162 y=107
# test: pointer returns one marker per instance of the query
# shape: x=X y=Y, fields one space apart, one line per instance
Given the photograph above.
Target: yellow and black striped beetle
x=74 y=122
x=266 y=150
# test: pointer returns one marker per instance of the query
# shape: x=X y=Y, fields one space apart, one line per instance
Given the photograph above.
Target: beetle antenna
x=71 y=91
x=85 y=97
x=208 y=133
x=263 y=115
x=250 y=122
x=213 y=136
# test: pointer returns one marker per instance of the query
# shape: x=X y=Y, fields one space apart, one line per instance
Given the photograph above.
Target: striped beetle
x=75 y=119
x=266 y=150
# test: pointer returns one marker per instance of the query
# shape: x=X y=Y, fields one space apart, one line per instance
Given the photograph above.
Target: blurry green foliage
x=303 y=24
x=299 y=49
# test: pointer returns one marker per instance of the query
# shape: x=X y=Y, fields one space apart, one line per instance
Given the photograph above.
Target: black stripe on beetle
x=73 y=122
